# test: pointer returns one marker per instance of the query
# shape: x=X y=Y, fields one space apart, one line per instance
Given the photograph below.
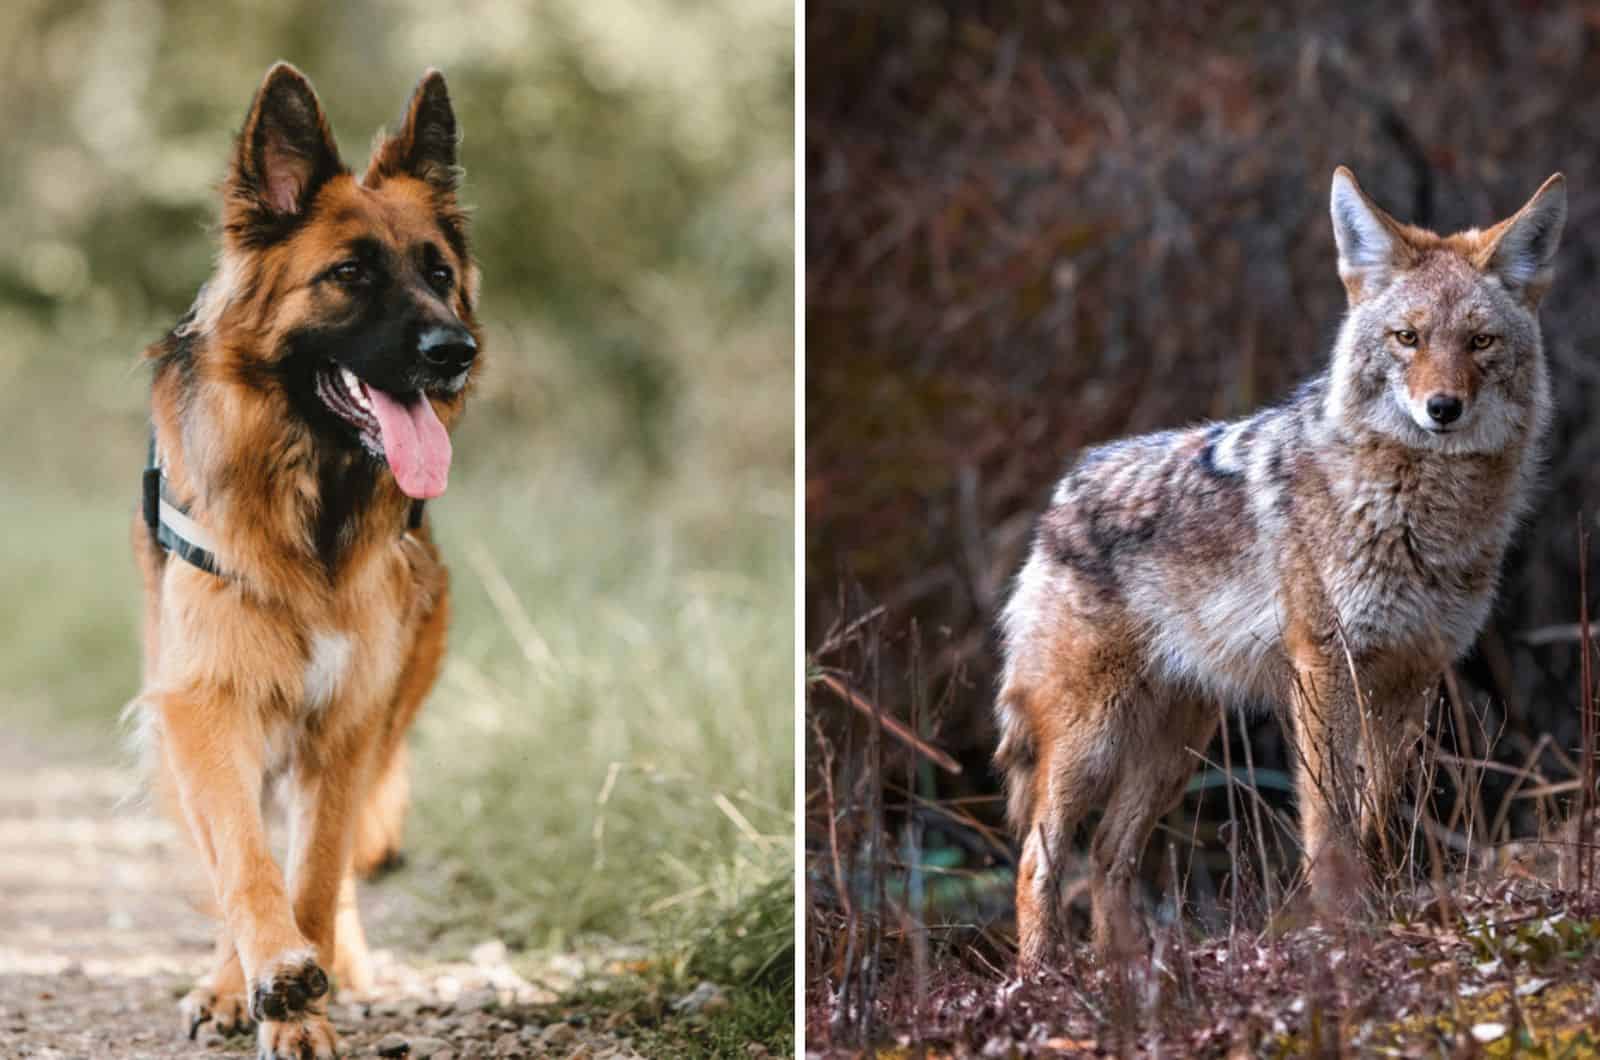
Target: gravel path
x=99 y=940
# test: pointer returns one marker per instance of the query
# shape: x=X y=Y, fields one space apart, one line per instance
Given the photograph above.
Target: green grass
x=70 y=652
x=610 y=752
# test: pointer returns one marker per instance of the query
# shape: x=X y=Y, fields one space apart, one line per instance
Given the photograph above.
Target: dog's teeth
x=353 y=385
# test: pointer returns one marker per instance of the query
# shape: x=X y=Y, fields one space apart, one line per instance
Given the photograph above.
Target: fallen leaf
x=1532 y=986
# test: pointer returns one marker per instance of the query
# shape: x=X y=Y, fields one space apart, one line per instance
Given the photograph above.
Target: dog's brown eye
x=1482 y=342
x=1406 y=337
x=440 y=277
x=349 y=272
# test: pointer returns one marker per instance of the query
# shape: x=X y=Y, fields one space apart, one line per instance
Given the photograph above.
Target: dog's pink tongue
x=415 y=442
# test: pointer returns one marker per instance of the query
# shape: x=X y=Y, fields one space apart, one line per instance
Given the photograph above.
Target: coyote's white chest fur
x=1332 y=554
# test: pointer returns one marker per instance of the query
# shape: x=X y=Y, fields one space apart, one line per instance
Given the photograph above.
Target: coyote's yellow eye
x=1406 y=337
x=1482 y=342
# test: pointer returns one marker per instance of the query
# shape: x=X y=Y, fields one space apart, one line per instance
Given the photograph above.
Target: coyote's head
x=1440 y=347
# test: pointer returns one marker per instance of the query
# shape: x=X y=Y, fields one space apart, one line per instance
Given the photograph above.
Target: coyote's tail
x=1016 y=758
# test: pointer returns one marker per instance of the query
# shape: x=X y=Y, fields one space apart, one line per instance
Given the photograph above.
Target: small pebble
x=481 y=1000
x=509 y=1047
x=393 y=1045
x=428 y=1048
x=488 y=954
x=558 y=1034
x=706 y=997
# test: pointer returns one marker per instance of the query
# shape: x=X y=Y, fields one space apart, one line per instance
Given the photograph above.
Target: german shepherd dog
x=295 y=602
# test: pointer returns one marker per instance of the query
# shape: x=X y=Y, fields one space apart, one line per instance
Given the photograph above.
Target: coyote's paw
x=286 y=987
x=226 y=1012
x=309 y=1037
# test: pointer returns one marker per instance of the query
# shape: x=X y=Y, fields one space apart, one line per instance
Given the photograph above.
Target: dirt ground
x=99 y=938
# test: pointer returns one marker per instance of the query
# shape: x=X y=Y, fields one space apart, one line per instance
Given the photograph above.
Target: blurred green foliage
x=629 y=165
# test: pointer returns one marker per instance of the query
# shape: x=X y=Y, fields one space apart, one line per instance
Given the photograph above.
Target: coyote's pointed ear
x=1371 y=243
x=285 y=153
x=1521 y=250
x=425 y=146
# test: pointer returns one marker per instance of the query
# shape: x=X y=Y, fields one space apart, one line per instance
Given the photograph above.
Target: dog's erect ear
x=1371 y=243
x=425 y=146
x=285 y=153
x=1521 y=250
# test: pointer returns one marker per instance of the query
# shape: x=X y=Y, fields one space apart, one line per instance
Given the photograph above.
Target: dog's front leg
x=324 y=797
x=212 y=746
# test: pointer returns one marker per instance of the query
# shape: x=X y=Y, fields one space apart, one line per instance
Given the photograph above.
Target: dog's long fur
x=1334 y=554
x=307 y=656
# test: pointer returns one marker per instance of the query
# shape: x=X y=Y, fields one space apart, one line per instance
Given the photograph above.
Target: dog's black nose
x=448 y=347
x=1444 y=409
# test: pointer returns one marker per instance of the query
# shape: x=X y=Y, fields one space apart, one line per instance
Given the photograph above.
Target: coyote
x=1334 y=553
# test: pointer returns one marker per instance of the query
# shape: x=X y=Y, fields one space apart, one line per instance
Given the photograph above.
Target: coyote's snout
x=1333 y=553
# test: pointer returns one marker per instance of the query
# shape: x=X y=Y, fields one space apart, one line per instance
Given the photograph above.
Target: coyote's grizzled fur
x=1333 y=553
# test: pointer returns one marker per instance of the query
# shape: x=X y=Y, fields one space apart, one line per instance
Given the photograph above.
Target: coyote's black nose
x=449 y=347
x=1444 y=409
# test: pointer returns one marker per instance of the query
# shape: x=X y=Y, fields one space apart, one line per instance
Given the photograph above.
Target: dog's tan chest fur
x=327 y=660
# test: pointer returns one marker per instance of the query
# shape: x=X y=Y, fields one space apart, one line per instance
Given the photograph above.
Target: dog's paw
x=225 y=1012
x=381 y=862
x=309 y=1037
x=287 y=986
x=352 y=970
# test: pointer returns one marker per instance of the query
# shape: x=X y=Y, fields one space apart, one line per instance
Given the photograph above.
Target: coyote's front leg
x=1327 y=737
x=211 y=748
x=1392 y=723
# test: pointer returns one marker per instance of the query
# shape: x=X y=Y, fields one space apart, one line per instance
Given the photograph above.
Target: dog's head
x=353 y=297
